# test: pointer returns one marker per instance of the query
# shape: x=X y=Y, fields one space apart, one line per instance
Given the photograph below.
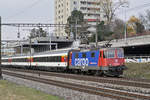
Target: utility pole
x=30 y=52
x=125 y=34
x=76 y=30
x=96 y=38
x=0 y=48
x=125 y=26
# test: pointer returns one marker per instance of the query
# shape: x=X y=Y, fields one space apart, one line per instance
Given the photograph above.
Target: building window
x=83 y=8
x=74 y=2
x=59 y=12
x=83 y=2
x=75 y=8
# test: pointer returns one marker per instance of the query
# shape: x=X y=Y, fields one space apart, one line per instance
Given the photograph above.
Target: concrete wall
x=134 y=41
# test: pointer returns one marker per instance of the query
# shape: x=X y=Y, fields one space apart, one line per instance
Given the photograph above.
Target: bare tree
x=148 y=18
x=118 y=28
x=145 y=19
x=109 y=8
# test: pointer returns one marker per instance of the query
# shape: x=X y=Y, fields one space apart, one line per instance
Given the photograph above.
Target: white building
x=90 y=9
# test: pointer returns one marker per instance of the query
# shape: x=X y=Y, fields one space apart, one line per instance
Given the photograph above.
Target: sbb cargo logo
x=81 y=62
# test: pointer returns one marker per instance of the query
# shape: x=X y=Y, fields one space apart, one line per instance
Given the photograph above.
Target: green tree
x=145 y=19
x=103 y=32
x=76 y=18
x=139 y=27
x=38 y=33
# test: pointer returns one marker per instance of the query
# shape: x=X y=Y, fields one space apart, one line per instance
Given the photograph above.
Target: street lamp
x=125 y=26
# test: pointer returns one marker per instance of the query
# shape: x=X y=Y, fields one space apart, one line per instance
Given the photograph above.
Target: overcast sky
x=42 y=11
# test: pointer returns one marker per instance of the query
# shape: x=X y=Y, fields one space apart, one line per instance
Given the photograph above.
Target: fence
x=137 y=59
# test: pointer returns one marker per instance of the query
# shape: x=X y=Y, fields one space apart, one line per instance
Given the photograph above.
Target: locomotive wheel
x=99 y=73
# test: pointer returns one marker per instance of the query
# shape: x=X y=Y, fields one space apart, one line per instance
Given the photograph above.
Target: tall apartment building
x=63 y=8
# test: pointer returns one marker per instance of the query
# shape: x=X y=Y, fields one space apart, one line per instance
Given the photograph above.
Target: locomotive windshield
x=109 y=53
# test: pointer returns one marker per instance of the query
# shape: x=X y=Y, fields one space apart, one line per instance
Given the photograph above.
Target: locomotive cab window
x=110 y=54
x=104 y=54
x=93 y=54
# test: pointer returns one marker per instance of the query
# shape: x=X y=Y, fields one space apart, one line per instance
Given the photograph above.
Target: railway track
x=87 y=89
x=83 y=88
x=141 y=83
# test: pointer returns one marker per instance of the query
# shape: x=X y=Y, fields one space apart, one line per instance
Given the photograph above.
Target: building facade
x=90 y=8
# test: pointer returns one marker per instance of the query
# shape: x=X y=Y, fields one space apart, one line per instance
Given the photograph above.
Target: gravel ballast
x=67 y=94
x=136 y=90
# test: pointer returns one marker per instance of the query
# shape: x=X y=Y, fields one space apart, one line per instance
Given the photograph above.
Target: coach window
x=45 y=59
x=49 y=59
x=37 y=59
x=41 y=59
x=34 y=59
x=93 y=54
x=57 y=58
x=76 y=55
x=54 y=59
x=84 y=55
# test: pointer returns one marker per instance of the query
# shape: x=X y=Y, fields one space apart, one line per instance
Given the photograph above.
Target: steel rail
x=82 y=88
x=125 y=82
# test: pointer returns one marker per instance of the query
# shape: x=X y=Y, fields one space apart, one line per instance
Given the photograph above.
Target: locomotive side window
x=93 y=54
x=83 y=55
